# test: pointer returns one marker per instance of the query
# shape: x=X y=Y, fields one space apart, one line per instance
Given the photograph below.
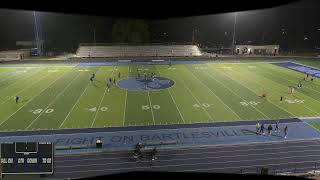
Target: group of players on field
x=109 y=82
x=260 y=129
x=264 y=94
x=151 y=76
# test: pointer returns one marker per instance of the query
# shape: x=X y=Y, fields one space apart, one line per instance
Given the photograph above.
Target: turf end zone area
x=62 y=97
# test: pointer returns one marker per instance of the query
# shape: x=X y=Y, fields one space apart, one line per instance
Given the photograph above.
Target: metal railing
x=137 y=44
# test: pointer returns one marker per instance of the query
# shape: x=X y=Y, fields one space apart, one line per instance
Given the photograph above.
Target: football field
x=58 y=96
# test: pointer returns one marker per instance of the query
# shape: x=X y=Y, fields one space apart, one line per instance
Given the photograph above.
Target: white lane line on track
x=195 y=158
x=214 y=148
x=181 y=165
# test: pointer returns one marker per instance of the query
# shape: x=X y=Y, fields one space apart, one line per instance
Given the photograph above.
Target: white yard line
x=196 y=99
x=125 y=103
x=66 y=87
x=258 y=94
x=174 y=102
x=300 y=97
x=8 y=76
x=236 y=94
x=214 y=94
x=125 y=107
x=151 y=108
x=26 y=87
x=33 y=98
x=75 y=104
x=17 y=81
x=176 y=106
x=97 y=112
x=294 y=82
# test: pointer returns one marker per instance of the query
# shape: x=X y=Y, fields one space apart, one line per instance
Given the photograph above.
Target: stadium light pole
x=234 y=32
x=37 y=32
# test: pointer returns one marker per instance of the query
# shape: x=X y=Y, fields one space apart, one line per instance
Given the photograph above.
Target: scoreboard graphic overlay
x=26 y=158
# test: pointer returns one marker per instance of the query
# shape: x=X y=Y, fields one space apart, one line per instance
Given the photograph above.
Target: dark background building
x=294 y=26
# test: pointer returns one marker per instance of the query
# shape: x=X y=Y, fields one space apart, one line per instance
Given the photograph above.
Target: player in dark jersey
x=108 y=86
x=277 y=127
x=269 y=129
x=285 y=132
x=137 y=151
x=262 y=128
x=92 y=77
x=17 y=99
x=154 y=154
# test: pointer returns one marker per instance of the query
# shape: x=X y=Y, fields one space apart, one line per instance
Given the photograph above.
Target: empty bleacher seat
x=138 y=51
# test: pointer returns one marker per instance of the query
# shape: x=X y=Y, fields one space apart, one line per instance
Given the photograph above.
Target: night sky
x=299 y=20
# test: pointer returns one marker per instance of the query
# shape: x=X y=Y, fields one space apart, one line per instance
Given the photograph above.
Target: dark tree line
x=130 y=31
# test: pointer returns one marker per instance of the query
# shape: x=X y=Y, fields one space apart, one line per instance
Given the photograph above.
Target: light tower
x=234 y=33
x=38 y=33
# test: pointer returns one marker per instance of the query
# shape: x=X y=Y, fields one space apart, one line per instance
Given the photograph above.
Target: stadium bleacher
x=102 y=51
x=13 y=55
